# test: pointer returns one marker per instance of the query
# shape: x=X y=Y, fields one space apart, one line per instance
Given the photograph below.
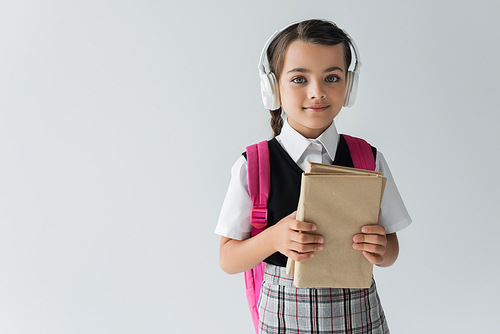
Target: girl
x=310 y=61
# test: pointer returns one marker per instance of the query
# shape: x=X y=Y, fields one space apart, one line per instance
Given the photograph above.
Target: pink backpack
x=259 y=186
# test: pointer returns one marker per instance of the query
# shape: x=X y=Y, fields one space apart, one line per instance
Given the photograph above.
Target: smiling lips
x=316 y=108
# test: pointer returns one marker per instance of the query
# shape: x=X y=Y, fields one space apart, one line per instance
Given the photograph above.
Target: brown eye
x=332 y=78
x=298 y=80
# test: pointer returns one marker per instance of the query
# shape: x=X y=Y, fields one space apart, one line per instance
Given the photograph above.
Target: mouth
x=316 y=108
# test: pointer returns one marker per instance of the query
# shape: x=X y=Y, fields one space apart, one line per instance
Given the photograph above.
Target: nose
x=316 y=90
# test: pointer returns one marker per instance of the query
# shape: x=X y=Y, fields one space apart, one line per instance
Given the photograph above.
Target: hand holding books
x=293 y=238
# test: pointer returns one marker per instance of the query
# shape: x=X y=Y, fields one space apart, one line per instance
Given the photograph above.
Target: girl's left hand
x=373 y=243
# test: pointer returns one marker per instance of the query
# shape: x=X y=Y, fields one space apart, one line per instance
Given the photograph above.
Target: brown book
x=339 y=200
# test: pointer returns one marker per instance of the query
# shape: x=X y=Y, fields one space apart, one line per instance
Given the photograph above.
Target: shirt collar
x=330 y=140
x=295 y=144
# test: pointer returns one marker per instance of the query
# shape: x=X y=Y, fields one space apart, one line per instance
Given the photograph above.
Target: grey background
x=120 y=120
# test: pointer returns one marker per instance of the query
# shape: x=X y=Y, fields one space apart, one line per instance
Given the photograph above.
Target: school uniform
x=282 y=307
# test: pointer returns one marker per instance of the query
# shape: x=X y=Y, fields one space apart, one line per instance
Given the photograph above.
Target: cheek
x=289 y=96
x=337 y=94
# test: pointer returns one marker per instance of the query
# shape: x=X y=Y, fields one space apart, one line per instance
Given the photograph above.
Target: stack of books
x=339 y=200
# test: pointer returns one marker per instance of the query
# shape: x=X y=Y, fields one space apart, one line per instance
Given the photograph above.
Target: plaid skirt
x=286 y=309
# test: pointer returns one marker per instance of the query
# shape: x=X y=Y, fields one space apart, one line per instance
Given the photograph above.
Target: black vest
x=285 y=185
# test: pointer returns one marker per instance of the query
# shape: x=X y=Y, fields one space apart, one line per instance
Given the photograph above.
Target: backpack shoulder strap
x=361 y=153
x=259 y=184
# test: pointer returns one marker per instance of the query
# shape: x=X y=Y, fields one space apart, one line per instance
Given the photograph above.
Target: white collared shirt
x=234 y=218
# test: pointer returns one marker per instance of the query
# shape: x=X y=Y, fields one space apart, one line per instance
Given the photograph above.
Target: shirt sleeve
x=393 y=214
x=234 y=218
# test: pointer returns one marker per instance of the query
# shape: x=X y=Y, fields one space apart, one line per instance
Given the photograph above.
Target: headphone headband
x=269 y=82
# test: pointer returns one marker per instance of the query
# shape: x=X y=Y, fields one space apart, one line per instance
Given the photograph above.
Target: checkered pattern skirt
x=286 y=309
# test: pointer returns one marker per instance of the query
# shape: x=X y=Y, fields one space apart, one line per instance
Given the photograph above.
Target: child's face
x=312 y=86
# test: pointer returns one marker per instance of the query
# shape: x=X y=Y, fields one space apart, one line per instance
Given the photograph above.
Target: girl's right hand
x=288 y=239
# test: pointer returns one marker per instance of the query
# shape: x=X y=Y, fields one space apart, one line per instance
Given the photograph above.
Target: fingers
x=304 y=248
x=298 y=225
x=373 y=229
x=372 y=248
x=304 y=244
x=297 y=257
x=306 y=238
x=373 y=258
x=372 y=241
x=371 y=234
x=301 y=245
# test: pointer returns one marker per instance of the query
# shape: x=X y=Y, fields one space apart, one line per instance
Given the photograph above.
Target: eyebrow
x=303 y=70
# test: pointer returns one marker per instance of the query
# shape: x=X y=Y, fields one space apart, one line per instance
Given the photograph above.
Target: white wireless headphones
x=269 y=84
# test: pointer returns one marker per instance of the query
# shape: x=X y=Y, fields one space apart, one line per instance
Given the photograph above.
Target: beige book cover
x=339 y=200
x=314 y=167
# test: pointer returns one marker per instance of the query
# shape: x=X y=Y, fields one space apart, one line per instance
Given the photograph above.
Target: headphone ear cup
x=276 y=92
x=348 y=87
x=351 y=89
x=269 y=91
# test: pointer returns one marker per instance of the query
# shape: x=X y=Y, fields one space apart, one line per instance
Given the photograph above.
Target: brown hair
x=311 y=31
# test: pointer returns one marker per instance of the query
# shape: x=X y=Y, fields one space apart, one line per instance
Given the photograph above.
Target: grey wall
x=120 y=120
